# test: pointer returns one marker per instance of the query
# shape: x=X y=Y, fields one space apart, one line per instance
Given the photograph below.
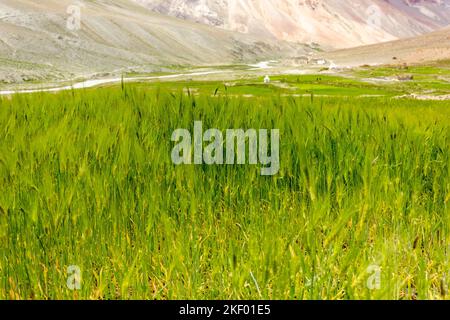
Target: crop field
x=432 y=79
x=358 y=210
x=287 y=85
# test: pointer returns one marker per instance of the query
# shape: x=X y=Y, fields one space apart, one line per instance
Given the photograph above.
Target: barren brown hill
x=430 y=47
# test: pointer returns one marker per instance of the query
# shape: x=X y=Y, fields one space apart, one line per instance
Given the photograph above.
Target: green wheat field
x=86 y=179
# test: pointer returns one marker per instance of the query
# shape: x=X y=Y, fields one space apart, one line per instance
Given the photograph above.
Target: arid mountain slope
x=430 y=47
x=38 y=39
x=331 y=23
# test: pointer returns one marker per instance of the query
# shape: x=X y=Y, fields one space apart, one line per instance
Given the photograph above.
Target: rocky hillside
x=62 y=39
x=331 y=23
